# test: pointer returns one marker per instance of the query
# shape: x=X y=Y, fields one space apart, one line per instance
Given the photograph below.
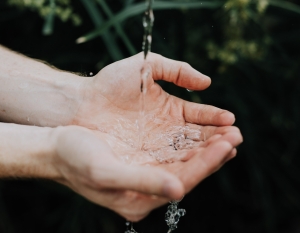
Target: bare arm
x=79 y=159
x=33 y=93
x=26 y=152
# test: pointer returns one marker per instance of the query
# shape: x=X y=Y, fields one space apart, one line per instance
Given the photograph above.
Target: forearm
x=33 y=93
x=27 y=152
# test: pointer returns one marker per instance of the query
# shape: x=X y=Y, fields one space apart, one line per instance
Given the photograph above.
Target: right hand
x=90 y=167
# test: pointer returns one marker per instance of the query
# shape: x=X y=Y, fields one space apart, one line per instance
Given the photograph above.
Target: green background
x=250 y=51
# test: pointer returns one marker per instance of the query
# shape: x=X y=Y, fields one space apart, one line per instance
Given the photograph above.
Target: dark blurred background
x=251 y=51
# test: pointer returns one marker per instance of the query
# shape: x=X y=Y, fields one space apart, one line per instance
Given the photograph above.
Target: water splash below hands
x=131 y=230
x=173 y=215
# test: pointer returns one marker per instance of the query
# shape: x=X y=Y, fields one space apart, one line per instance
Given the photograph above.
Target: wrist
x=32 y=93
x=70 y=89
x=87 y=105
x=27 y=152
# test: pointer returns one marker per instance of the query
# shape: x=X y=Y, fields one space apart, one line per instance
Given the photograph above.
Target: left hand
x=112 y=99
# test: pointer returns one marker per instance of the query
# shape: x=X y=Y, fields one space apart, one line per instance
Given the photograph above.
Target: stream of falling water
x=148 y=21
x=165 y=146
x=178 y=141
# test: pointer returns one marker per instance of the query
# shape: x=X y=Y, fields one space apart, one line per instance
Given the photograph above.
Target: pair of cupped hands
x=91 y=167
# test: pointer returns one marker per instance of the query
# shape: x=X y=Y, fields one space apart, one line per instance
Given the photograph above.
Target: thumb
x=177 y=72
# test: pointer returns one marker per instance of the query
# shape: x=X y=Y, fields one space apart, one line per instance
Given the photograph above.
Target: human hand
x=88 y=165
x=112 y=99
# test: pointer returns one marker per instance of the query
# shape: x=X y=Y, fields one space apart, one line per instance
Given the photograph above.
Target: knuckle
x=184 y=64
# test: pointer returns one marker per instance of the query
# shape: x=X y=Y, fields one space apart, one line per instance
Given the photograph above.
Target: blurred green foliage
x=62 y=8
x=250 y=49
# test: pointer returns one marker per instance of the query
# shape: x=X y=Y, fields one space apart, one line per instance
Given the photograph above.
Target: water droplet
x=91 y=73
x=189 y=90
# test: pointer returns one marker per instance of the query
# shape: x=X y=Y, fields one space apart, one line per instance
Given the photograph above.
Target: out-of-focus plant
x=238 y=17
x=138 y=8
x=47 y=9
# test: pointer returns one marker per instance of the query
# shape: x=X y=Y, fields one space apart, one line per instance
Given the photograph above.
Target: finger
x=145 y=179
x=226 y=129
x=180 y=73
x=233 y=137
x=206 y=114
x=231 y=155
x=195 y=151
x=203 y=165
x=208 y=131
x=212 y=139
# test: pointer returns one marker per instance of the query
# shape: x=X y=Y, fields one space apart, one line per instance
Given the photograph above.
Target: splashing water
x=131 y=230
x=168 y=142
x=164 y=147
x=173 y=215
x=148 y=21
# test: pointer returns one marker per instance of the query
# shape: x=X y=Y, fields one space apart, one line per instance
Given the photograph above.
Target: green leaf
x=141 y=7
x=108 y=39
x=48 y=25
x=118 y=27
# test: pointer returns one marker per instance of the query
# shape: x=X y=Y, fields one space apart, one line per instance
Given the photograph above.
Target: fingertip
x=232 y=155
x=217 y=152
x=235 y=138
x=206 y=80
x=173 y=189
x=201 y=81
x=227 y=118
x=213 y=138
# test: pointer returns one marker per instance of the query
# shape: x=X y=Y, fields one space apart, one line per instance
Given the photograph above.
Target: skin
x=86 y=157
